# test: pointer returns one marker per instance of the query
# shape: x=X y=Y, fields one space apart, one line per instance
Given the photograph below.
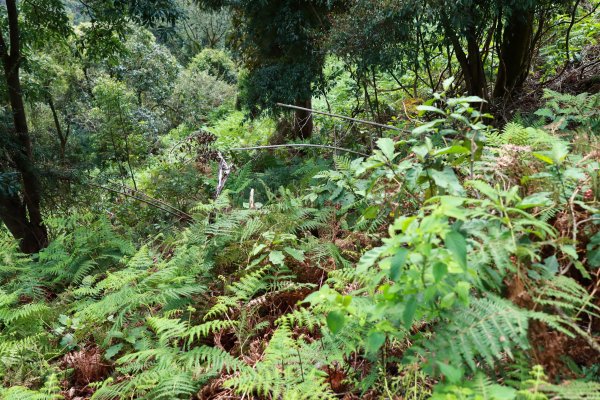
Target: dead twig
x=277 y=146
x=170 y=210
x=360 y=121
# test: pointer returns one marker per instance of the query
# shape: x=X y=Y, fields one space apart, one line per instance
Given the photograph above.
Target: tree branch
x=277 y=146
x=360 y=121
x=13 y=29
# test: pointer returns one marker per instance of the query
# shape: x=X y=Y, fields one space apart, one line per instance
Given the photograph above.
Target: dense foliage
x=171 y=232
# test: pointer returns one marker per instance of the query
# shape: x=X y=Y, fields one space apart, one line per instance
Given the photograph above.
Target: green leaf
x=68 y=340
x=431 y=109
x=453 y=150
x=439 y=271
x=374 y=342
x=409 y=312
x=335 y=321
x=484 y=188
x=447 y=180
x=63 y=319
x=295 y=253
x=593 y=251
x=447 y=83
x=344 y=300
x=258 y=248
x=371 y=212
x=559 y=152
x=368 y=259
x=398 y=261
x=551 y=265
x=462 y=290
x=112 y=351
x=569 y=250
x=448 y=300
x=466 y=99
x=452 y=374
x=499 y=392
x=540 y=199
x=543 y=158
x=457 y=244
x=577 y=174
x=474 y=99
x=387 y=147
x=460 y=118
x=276 y=257
x=427 y=127
x=421 y=151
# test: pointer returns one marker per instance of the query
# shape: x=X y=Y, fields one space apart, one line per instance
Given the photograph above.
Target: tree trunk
x=22 y=216
x=475 y=73
x=514 y=53
x=303 y=120
x=470 y=62
x=62 y=137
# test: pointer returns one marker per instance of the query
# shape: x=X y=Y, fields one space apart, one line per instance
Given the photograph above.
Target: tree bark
x=470 y=62
x=303 y=120
x=514 y=53
x=62 y=137
x=475 y=74
x=21 y=214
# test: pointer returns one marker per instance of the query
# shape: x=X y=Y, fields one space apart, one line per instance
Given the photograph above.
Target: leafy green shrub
x=237 y=131
x=198 y=96
x=216 y=63
x=566 y=111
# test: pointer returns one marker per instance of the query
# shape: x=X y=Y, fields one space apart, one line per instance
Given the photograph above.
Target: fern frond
x=574 y=390
x=488 y=329
x=207 y=328
x=568 y=295
x=167 y=329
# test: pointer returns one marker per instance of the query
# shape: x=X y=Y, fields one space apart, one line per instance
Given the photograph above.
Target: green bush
x=216 y=63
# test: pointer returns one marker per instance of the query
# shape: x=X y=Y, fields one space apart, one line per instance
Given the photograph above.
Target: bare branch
x=276 y=146
x=360 y=121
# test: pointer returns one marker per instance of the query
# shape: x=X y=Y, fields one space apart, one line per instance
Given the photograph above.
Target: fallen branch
x=277 y=146
x=224 y=171
x=171 y=210
x=360 y=121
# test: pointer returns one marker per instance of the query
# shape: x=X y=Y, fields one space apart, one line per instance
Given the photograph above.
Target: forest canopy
x=300 y=199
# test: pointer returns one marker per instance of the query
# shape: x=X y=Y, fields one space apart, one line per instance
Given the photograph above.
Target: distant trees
x=490 y=40
x=199 y=92
x=507 y=29
x=27 y=25
x=20 y=210
x=280 y=44
x=148 y=68
x=200 y=27
x=489 y=44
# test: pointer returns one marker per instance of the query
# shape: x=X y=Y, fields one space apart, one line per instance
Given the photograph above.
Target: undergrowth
x=457 y=262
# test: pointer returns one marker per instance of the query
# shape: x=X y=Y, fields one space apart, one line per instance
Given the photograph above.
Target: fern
x=479 y=388
x=21 y=358
x=86 y=249
x=515 y=134
x=575 y=390
x=488 y=329
x=302 y=318
x=50 y=391
x=564 y=109
x=282 y=372
x=567 y=295
x=207 y=328
x=166 y=370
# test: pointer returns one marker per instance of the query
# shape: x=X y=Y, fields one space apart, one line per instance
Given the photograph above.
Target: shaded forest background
x=300 y=199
